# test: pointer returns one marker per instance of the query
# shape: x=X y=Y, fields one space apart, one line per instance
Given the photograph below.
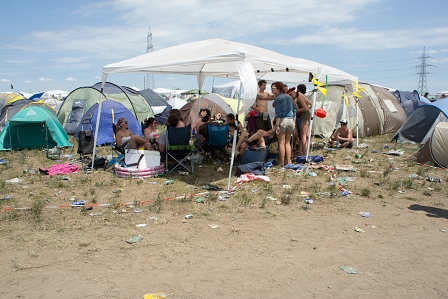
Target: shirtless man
x=343 y=135
x=261 y=106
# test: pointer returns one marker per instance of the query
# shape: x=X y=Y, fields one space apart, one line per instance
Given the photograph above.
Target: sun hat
x=343 y=121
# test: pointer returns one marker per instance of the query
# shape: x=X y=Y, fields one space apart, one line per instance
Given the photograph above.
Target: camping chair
x=254 y=154
x=217 y=141
x=85 y=143
x=118 y=149
x=179 y=148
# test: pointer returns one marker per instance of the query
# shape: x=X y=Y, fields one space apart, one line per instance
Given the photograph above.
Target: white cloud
x=353 y=38
x=97 y=77
x=71 y=79
x=27 y=81
x=5 y=80
x=45 y=79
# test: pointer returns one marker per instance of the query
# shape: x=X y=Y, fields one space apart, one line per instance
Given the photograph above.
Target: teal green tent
x=34 y=126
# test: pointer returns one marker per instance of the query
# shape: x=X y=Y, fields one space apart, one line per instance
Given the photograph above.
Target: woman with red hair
x=283 y=122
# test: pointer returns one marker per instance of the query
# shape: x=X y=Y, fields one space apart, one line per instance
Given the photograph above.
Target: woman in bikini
x=150 y=132
x=124 y=137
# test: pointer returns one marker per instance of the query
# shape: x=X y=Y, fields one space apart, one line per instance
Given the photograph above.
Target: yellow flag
x=323 y=90
x=346 y=99
x=320 y=86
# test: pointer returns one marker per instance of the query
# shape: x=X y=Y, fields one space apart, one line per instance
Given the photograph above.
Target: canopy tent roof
x=217 y=57
x=222 y=58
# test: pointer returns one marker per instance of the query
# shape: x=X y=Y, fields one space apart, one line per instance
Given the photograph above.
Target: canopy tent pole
x=311 y=125
x=312 y=114
x=95 y=135
x=235 y=133
x=357 y=123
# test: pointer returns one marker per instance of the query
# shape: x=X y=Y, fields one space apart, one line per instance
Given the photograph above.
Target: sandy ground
x=261 y=249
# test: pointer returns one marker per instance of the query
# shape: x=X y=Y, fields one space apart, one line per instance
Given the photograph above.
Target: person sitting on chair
x=150 y=132
x=343 y=136
x=174 y=121
x=203 y=128
x=230 y=120
x=124 y=137
x=218 y=118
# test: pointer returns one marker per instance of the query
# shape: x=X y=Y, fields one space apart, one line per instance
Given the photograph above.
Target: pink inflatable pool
x=133 y=172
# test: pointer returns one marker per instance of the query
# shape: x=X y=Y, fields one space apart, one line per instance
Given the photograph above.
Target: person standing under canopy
x=283 y=122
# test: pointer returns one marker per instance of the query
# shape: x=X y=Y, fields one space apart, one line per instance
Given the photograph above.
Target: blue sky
x=62 y=45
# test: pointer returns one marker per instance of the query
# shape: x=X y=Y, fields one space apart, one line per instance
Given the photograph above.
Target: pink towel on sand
x=63 y=169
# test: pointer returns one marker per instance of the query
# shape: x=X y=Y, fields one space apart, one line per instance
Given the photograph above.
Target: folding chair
x=179 y=148
x=118 y=149
x=217 y=140
x=254 y=154
x=85 y=143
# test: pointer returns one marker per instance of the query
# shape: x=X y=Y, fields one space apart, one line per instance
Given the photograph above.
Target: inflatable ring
x=132 y=172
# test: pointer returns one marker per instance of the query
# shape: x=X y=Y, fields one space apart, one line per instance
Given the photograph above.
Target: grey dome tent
x=427 y=125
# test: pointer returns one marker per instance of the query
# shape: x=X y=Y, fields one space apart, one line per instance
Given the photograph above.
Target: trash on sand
x=222 y=197
x=138 y=210
x=189 y=216
x=213 y=225
x=199 y=199
x=141 y=225
x=271 y=198
x=304 y=193
x=364 y=214
x=154 y=296
x=402 y=191
x=349 y=270
x=153 y=218
x=342 y=181
x=95 y=214
x=433 y=179
x=359 y=230
x=14 y=181
x=135 y=239
x=3 y=162
x=78 y=203
x=309 y=200
x=286 y=187
x=442 y=230
x=6 y=197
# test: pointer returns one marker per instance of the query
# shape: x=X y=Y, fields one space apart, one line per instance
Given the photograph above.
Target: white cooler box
x=141 y=158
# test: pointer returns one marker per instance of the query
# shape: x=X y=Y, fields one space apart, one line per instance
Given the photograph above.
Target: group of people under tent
x=290 y=126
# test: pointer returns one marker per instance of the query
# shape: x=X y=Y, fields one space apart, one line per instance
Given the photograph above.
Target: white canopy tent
x=222 y=58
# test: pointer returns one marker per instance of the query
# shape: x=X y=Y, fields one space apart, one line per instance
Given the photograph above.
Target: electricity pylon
x=422 y=84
